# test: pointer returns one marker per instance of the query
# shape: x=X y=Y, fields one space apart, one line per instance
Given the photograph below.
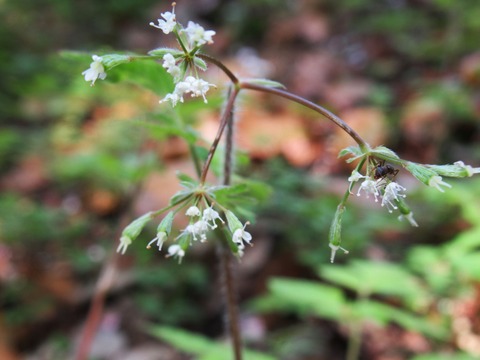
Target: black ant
x=382 y=171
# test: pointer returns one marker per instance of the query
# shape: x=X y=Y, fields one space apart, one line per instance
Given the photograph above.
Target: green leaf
x=187 y=181
x=163 y=131
x=200 y=63
x=443 y=356
x=200 y=346
x=383 y=314
x=386 y=154
x=265 y=82
x=367 y=277
x=112 y=60
x=355 y=151
x=160 y=52
x=242 y=197
x=309 y=296
x=147 y=74
x=180 y=197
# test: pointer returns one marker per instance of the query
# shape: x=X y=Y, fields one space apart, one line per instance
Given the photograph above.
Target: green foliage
x=200 y=346
x=24 y=222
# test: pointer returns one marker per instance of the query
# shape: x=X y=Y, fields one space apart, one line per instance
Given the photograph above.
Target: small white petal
x=436 y=182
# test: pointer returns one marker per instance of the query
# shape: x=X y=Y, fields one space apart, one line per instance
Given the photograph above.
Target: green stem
x=221 y=66
x=354 y=341
x=355 y=338
x=321 y=110
x=228 y=282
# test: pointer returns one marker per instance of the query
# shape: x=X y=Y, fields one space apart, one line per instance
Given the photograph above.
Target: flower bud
x=334 y=236
x=427 y=175
x=406 y=212
x=458 y=169
x=132 y=230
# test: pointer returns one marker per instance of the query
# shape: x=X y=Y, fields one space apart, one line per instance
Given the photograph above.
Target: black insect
x=382 y=171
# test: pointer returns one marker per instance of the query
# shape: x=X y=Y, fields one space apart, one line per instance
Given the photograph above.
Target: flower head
x=409 y=218
x=470 y=171
x=176 y=251
x=197 y=35
x=391 y=194
x=240 y=236
x=96 y=70
x=200 y=87
x=210 y=215
x=335 y=248
x=169 y=63
x=168 y=24
x=436 y=182
x=355 y=176
x=159 y=239
x=193 y=211
x=369 y=186
x=125 y=241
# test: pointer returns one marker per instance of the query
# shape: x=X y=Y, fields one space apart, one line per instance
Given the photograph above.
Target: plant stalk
x=223 y=123
x=321 y=110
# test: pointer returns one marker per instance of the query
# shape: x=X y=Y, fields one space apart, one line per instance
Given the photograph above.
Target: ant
x=382 y=171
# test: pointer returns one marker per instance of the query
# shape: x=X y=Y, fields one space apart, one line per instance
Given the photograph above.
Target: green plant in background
x=422 y=294
x=214 y=210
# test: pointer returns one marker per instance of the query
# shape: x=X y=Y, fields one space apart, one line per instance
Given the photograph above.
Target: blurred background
x=78 y=162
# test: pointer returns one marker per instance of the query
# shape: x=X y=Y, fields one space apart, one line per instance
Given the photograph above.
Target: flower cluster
x=183 y=65
x=203 y=219
x=385 y=189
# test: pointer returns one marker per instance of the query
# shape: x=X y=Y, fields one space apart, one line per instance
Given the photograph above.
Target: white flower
x=391 y=193
x=470 y=170
x=173 y=98
x=334 y=250
x=369 y=186
x=169 y=63
x=125 y=241
x=436 y=182
x=177 y=251
x=193 y=211
x=200 y=87
x=159 y=239
x=168 y=24
x=211 y=215
x=192 y=85
x=96 y=70
x=355 y=176
x=409 y=218
x=240 y=236
x=197 y=34
x=201 y=228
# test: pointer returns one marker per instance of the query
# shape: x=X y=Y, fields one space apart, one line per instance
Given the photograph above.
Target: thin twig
x=298 y=99
x=221 y=128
